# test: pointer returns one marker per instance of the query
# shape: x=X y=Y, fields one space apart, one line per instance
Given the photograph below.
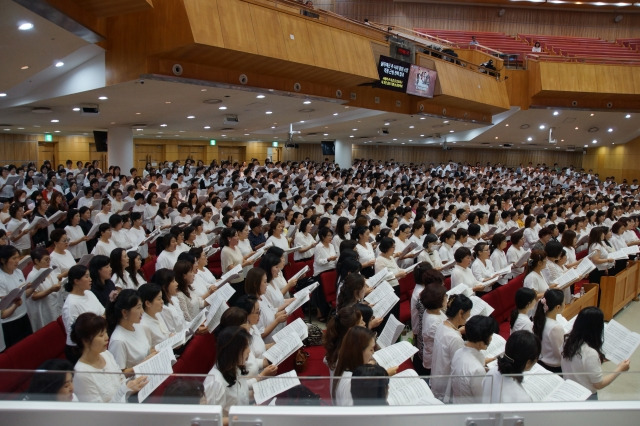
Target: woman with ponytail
x=128 y=341
x=520 y=354
x=525 y=301
x=548 y=330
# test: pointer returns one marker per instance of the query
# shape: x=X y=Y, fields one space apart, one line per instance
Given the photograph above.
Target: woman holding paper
x=568 y=241
x=21 y=239
x=231 y=256
x=61 y=257
x=520 y=354
x=128 y=342
x=242 y=228
x=462 y=273
x=15 y=321
x=43 y=306
x=582 y=355
x=515 y=252
x=77 y=239
x=161 y=218
x=251 y=307
x=555 y=266
x=343 y=227
x=324 y=254
x=387 y=260
x=430 y=254
x=152 y=323
x=498 y=256
x=548 y=330
x=119 y=261
x=366 y=254
x=278 y=288
x=598 y=247
x=189 y=302
x=468 y=363
x=89 y=333
x=276 y=234
x=305 y=240
x=171 y=312
x=434 y=300
x=525 y=302
x=534 y=279
x=272 y=319
x=105 y=245
x=446 y=342
x=482 y=268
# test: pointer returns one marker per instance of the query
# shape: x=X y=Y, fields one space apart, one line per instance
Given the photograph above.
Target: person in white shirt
x=128 y=342
x=525 y=302
x=366 y=254
x=305 y=240
x=77 y=239
x=387 y=260
x=462 y=273
x=324 y=254
x=534 y=279
x=582 y=355
x=15 y=321
x=105 y=245
x=171 y=312
x=468 y=362
x=91 y=384
x=43 y=305
x=521 y=353
x=498 y=256
x=152 y=322
x=482 y=268
x=515 y=252
x=446 y=252
x=548 y=330
x=272 y=319
x=104 y=214
x=446 y=342
x=434 y=300
x=276 y=235
x=169 y=256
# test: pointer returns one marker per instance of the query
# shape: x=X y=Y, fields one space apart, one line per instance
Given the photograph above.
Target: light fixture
x=556 y=113
x=576 y=128
x=2 y=95
x=191 y=117
x=609 y=130
x=103 y=98
x=594 y=141
x=76 y=109
x=325 y=134
x=412 y=127
x=354 y=130
x=446 y=121
x=627 y=116
x=451 y=131
x=24 y=67
x=268 y=112
x=25 y=26
x=591 y=115
x=306 y=102
x=260 y=96
x=222 y=107
x=335 y=113
x=529 y=139
x=586 y=146
x=55 y=121
x=542 y=127
x=59 y=64
x=207 y=127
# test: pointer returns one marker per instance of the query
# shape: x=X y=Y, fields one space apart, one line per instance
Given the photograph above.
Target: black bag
x=305 y=282
x=315 y=335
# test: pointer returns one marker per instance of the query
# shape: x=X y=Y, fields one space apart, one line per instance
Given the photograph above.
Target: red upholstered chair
x=215 y=264
x=328 y=284
x=293 y=267
x=27 y=270
x=407 y=284
x=149 y=267
x=447 y=283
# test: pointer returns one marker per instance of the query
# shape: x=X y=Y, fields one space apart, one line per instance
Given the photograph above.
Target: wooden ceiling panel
x=105 y=8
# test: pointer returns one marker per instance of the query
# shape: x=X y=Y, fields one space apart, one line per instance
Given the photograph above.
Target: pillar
x=121 y=149
x=343 y=154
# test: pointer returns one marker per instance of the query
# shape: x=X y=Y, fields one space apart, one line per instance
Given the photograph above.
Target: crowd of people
x=91 y=231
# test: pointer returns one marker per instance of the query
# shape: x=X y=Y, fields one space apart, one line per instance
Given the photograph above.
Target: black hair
x=246 y=302
x=522 y=347
x=95 y=264
x=366 y=311
x=479 y=328
x=48 y=379
x=524 y=296
x=371 y=387
x=461 y=253
x=552 y=298
x=231 y=343
x=588 y=328
x=148 y=292
x=457 y=303
x=164 y=277
x=126 y=300
x=115 y=259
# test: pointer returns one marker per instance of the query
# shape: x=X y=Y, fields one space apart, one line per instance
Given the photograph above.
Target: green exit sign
x=48 y=137
x=274 y=144
x=212 y=142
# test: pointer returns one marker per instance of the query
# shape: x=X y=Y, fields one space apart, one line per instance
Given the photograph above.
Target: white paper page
x=411 y=268
x=158 y=368
x=496 y=347
x=292 y=249
x=618 y=255
x=394 y=355
x=569 y=391
x=379 y=293
x=298 y=327
x=267 y=389
x=567 y=278
x=383 y=307
x=24 y=261
x=448 y=265
x=197 y=321
x=460 y=289
x=297 y=303
x=490 y=282
x=257 y=255
x=504 y=271
x=225 y=292
x=375 y=280
x=631 y=250
x=392 y=330
x=585 y=266
x=619 y=342
x=214 y=314
x=283 y=349
x=523 y=259
x=539 y=386
x=300 y=273
x=41 y=277
x=405 y=388
x=307 y=290
x=172 y=342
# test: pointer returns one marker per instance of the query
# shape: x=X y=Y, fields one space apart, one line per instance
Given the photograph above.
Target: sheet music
x=224 y=293
x=273 y=386
x=618 y=255
x=379 y=293
x=19 y=228
x=523 y=259
x=197 y=321
x=569 y=391
x=24 y=262
x=392 y=330
x=157 y=368
x=567 y=278
x=291 y=231
x=448 y=265
x=298 y=327
x=172 y=342
x=307 y=290
x=257 y=255
x=283 y=349
x=292 y=249
x=567 y=325
x=14 y=294
x=480 y=307
x=631 y=250
x=542 y=385
x=405 y=388
x=490 y=282
x=300 y=273
x=214 y=314
x=236 y=270
x=297 y=302
x=585 y=266
x=56 y=216
x=85 y=259
x=41 y=277
x=394 y=355
x=94 y=229
x=408 y=248
x=504 y=271
x=460 y=289
x=619 y=342
x=375 y=280
x=411 y=268
x=383 y=307
x=496 y=347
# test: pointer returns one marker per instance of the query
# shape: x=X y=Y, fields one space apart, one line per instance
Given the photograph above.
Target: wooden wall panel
x=237 y=33
x=205 y=34
x=322 y=46
x=298 y=47
x=620 y=161
x=518 y=88
x=18 y=149
x=589 y=78
x=269 y=38
x=469 y=18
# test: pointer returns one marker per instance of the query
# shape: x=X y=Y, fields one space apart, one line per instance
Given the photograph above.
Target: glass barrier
x=405 y=388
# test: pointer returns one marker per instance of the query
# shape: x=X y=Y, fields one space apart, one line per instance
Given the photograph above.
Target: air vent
x=41 y=110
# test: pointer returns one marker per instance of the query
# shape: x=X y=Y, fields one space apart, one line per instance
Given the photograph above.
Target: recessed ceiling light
x=167 y=102
x=25 y=67
x=395 y=139
x=556 y=113
x=2 y=95
x=451 y=131
x=496 y=137
x=335 y=113
x=422 y=136
x=627 y=116
x=139 y=130
x=325 y=134
x=6 y=130
x=191 y=117
x=591 y=115
x=207 y=127
x=506 y=125
x=355 y=130
x=246 y=134
x=529 y=139
x=55 y=121
x=423 y=118
x=542 y=127
x=103 y=98
x=59 y=64
x=260 y=96
x=386 y=124
x=446 y=121
x=25 y=26
x=56 y=131
x=410 y=140
x=20 y=128
x=224 y=136
x=203 y=90
x=163 y=125
x=273 y=127
x=610 y=130
x=76 y=109
x=138 y=113
x=576 y=128
x=222 y=107
x=353 y=136
x=586 y=146
x=402 y=143
x=268 y=112
x=412 y=127
x=594 y=141
x=306 y=102
x=302 y=121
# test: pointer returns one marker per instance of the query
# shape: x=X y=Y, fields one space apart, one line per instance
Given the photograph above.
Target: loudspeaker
x=100 y=138
x=176 y=69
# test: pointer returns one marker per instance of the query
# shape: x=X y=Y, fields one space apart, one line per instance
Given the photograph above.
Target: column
x=343 y=154
x=121 y=149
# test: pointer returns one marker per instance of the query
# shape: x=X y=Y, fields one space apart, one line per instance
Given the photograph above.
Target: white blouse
x=430 y=324
x=552 y=342
x=75 y=233
x=391 y=265
x=465 y=276
x=482 y=271
x=585 y=368
x=129 y=348
x=218 y=392
x=93 y=385
x=320 y=256
x=44 y=310
x=497 y=388
x=467 y=371
x=445 y=344
x=523 y=322
x=155 y=328
x=303 y=241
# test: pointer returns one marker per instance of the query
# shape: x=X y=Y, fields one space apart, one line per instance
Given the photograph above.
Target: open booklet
x=157 y=368
x=14 y=294
x=283 y=349
x=408 y=248
x=522 y=260
x=406 y=388
x=410 y=269
x=566 y=324
x=299 y=299
x=300 y=273
x=566 y=279
x=504 y=271
x=394 y=355
x=84 y=260
x=392 y=330
x=266 y=389
x=44 y=273
x=379 y=293
x=450 y=264
x=257 y=255
x=24 y=262
x=461 y=289
x=378 y=278
x=214 y=313
x=542 y=385
x=585 y=266
x=292 y=249
x=619 y=342
x=491 y=281
x=480 y=307
x=172 y=342
x=496 y=347
x=306 y=291
x=298 y=327
x=618 y=255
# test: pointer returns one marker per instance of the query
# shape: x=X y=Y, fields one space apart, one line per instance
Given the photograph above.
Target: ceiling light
x=576 y=128
x=273 y=127
x=269 y=112
x=138 y=113
x=224 y=136
x=422 y=136
x=496 y=137
x=594 y=141
x=395 y=139
x=335 y=113
x=25 y=26
x=506 y=125
x=167 y=102
x=76 y=109
x=59 y=64
x=222 y=107
x=446 y=121
x=410 y=140
x=302 y=121
x=627 y=116
x=542 y=127
x=423 y=118
x=55 y=121
x=402 y=143
x=586 y=146
x=352 y=136
x=207 y=127
x=306 y=102
x=355 y=130
x=2 y=95
x=411 y=127
x=246 y=134
x=556 y=113
x=191 y=117
x=325 y=134
x=610 y=130
x=591 y=115
x=103 y=98
x=163 y=125
x=451 y=131
x=529 y=139
x=25 y=67
x=260 y=96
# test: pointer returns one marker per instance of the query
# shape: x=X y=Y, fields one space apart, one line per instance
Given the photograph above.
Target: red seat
x=215 y=264
x=149 y=267
x=328 y=284
x=407 y=284
x=293 y=267
x=447 y=283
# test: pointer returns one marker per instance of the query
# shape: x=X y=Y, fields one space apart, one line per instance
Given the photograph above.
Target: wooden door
x=232 y=153
x=191 y=152
x=48 y=151
x=144 y=154
x=101 y=157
